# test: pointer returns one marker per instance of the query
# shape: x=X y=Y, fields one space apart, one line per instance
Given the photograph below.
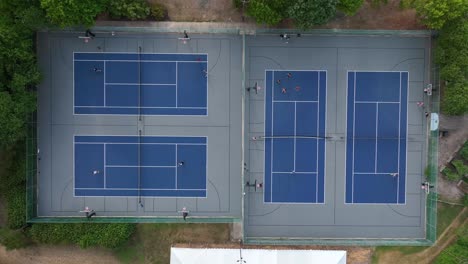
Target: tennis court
x=316 y=137
x=129 y=126
x=294 y=122
x=336 y=137
x=133 y=166
x=376 y=137
x=134 y=83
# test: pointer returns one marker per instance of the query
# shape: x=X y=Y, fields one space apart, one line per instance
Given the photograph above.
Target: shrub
x=129 y=9
x=451 y=175
x=73 y=12
x=435 y=13
x=262 y=12
x=158 y=11
x=13 y=186
x=455 y=101
x=13 y=239
x=237 y=3
x=307 y=13
x=349 y=7
x=453 y=254
x=465 y=203
x=84 y=235
x=464 y=151
x=461 y=168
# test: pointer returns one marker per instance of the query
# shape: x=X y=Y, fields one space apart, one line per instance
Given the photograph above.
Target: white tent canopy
x=255 y=256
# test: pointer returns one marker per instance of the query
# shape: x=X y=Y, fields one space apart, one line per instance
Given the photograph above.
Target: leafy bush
x=377 y=3
x=464 y=151
x=455 y=101
x=237 y=3
x=18 y=75
x=84 y=235
x=349 y=7
x=158 y=11
x=129 y=9
x=461 y=168
x=263 y=13
x=465 y=203
x=73 y=12
x=13 y=187
x=435 y=13
x=13 y=239
x=307 y=13
x=450 y=174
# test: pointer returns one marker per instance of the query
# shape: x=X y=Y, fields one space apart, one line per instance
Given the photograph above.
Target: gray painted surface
x=337 y=55
x=222 y=126
x=57 y=125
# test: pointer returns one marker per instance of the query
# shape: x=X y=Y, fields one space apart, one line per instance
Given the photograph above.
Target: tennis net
x=140 y=127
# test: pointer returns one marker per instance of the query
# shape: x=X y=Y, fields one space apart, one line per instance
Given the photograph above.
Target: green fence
x=31 y=167
x=432 y=170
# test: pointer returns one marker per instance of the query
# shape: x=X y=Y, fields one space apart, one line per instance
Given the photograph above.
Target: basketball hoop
x=184 y=40
x=85 y=38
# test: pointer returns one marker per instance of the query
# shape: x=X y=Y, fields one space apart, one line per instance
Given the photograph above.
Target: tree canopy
x=73 y=12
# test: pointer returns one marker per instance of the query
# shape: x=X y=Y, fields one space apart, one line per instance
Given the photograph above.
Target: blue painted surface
x=115 y=158
x=168 y=84
x=376 y=137
x=294 y=107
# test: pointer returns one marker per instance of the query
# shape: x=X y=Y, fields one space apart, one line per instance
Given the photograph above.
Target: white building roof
x=255 y=256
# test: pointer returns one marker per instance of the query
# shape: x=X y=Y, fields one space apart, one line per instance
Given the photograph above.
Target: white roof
x=255 y=256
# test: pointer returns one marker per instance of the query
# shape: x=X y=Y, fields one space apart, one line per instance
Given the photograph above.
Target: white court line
x=124 y=143
x=143 y=84
x=272 y=133
x=147 y=107
x=291 y=101
x=104 y=165
x=295 y=124
x=295 y=172
x=177 y=162
x=136 y=60
x=399 y=132
x=318 y=133
x=374 y=173
x=135 y=189
x=376 y=134
x=104 y=88
x=136 y=166
x=373 y=102
x=354 y=133
x=176 y=84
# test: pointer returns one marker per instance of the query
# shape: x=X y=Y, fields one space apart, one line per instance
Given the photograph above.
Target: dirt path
x=457 y=127
x=428 y=255
x=385 y=16
x=56 y=255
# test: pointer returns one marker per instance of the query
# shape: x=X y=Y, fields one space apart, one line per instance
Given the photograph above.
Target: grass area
x=403 y=250
x=445 y=215
x=13 y=239
x=151 y=243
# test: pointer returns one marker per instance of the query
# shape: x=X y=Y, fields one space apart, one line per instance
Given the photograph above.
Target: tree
x=349 y=7
x=66 y=13
x=435 y=13
x=455 y=101
x=18 y=77
x=307 y=13
x=264 y=12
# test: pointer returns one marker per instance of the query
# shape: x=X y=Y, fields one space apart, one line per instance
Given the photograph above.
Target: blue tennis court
x=140 y=83
x=148 y=166
x=376 y=137
x=294 y=136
